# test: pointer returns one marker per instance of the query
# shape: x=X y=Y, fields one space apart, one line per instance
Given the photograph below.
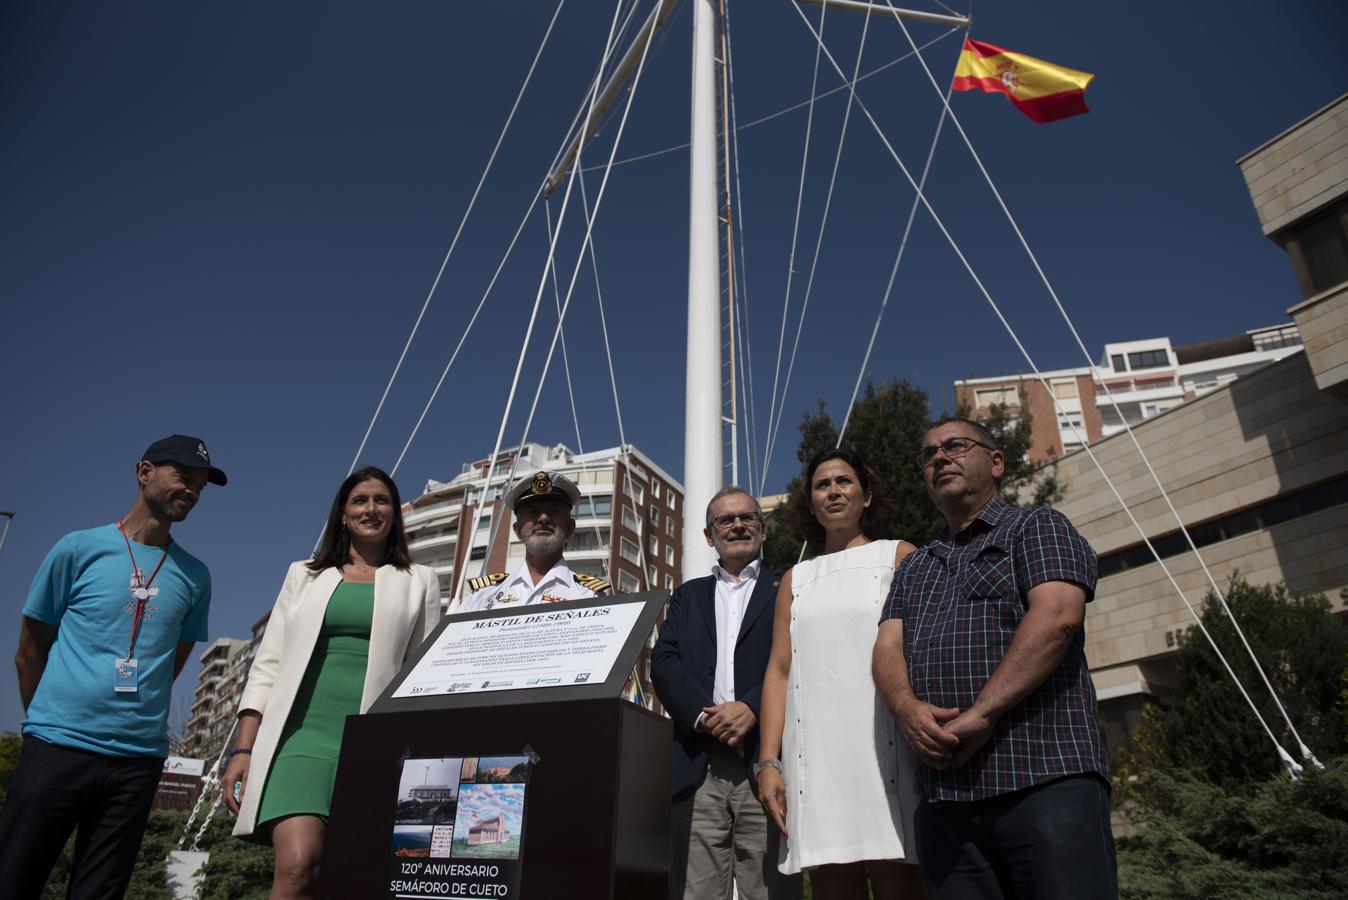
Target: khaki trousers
x=722 y=831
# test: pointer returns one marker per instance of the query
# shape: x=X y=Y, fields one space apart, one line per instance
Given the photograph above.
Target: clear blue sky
x=221 y=220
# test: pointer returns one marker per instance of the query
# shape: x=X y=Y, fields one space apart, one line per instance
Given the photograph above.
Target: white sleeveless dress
x=850 y=787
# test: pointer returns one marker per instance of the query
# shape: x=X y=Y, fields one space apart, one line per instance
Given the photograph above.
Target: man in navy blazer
x=708 y=671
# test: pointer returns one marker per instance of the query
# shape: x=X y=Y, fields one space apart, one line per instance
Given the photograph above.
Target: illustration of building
x=489 y=831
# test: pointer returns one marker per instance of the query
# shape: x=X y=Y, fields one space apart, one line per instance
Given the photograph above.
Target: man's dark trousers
x=56 y=790
x=1048 y=842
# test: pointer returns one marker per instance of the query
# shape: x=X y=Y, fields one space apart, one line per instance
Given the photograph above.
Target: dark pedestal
x=596 y=815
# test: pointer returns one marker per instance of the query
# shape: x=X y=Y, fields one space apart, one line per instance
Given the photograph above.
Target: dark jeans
x=1047 y=842
x=55 y=790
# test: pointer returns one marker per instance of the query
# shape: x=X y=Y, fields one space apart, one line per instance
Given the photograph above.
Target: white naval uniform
x=519 y=590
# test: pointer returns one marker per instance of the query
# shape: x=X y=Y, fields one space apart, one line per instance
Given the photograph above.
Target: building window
x=655 y=489
x=588 y=539
x=669 y=526
x=669 y=582
x=669 y=555
x=1148 y=359
x=600 y=505
x=652 y=578
x=1232 y=525
x=998 y=396
x=627 y=584
x=1324 y=246
x=655 y=516
x=1287 y=336
x=629 y=551
x=1117 y=364
x=673 y=501
x=630 y=518
x=478 y=553
x=1065 y=390
x=637 y=491
x=655 y=546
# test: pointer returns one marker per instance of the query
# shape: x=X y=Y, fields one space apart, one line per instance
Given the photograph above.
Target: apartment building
x=629 y=524
x=1134 y=381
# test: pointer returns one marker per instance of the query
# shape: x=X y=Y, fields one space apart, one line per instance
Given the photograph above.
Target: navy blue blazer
x=683 y=667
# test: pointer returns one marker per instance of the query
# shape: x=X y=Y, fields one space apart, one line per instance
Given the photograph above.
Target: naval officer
x=542 y=503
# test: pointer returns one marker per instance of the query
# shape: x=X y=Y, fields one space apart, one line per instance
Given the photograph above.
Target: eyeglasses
x=729 y=520
x=953 y=448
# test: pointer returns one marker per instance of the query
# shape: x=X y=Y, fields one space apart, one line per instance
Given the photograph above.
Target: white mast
x=702 y=442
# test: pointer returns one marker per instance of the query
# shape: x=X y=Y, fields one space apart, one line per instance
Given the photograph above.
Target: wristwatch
x=767 y=764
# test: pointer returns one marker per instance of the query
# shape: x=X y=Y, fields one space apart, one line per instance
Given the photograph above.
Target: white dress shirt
x=732 y=598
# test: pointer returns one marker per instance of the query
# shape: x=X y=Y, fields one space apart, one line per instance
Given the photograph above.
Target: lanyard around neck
x=142 y=591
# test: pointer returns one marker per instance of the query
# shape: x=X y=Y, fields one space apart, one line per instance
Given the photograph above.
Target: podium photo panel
x=519 y=789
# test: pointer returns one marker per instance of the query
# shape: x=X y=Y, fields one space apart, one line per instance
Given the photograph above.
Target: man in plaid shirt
x=981 y=658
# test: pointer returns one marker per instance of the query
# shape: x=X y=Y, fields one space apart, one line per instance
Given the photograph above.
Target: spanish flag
x=1041 y=90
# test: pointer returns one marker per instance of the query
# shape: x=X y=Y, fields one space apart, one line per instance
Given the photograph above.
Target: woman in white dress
x=833 y=773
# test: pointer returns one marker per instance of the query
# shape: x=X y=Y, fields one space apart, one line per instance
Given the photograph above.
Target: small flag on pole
x=1041 y=90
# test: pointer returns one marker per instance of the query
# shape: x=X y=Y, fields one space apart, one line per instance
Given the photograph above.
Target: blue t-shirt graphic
x=84 y=588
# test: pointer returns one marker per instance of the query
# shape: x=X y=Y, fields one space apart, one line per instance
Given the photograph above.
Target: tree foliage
x=1283 y=839
x=1216 y=814
x=1303 y=648
x=887 y=426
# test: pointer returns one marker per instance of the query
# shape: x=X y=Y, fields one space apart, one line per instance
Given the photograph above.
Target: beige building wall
x=1301 y=170
x=1268 y=434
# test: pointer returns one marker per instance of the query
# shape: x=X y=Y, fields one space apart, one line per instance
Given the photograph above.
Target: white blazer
x=406 y=610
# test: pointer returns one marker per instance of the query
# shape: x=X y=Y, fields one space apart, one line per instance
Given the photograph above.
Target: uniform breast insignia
x=486 y=581
x=590 y=582
x=551 y=598
x=501 y=598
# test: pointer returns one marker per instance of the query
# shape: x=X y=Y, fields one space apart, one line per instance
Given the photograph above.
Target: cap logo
x=542 y=484
x=201 y=451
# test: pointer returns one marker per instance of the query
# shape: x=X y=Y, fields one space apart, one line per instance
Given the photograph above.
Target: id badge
x=126 y=673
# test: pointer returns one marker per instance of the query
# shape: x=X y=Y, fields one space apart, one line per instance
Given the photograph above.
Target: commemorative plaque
x=569 y=787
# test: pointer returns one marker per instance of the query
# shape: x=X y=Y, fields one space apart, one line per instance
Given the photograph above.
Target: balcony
x=434 y=541
x=434 y=514
x=1136 y=390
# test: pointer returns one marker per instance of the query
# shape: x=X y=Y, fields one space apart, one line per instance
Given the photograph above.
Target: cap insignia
x=542 y=484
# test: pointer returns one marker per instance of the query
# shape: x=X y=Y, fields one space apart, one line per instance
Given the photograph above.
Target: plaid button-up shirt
x=961 y=600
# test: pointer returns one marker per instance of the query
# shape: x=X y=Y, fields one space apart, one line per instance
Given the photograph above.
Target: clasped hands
x=943 y=738
x=728 y=722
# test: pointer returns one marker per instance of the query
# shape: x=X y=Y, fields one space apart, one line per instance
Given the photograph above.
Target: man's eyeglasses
x=953 y=448
x=729 y=520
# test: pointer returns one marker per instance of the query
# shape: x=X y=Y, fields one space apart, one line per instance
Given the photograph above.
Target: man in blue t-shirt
x=110 y=620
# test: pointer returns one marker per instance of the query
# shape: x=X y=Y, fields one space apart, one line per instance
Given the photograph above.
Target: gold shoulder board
x=598 y=585
x=495 y=578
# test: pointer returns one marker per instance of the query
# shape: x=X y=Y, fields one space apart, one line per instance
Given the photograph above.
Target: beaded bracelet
x=237 y=750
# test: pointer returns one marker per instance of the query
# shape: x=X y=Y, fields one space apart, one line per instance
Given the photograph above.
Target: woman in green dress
x=343 y=624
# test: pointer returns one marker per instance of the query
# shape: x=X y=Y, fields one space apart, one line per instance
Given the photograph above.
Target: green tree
x=1198 y=840
x=1303 y=648
x=1036 y=482
x=886 y=427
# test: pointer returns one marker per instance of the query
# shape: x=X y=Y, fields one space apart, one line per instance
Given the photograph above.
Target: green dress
x=305 y=765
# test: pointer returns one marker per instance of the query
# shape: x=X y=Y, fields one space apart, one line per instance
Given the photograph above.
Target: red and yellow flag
x=1041 y=90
